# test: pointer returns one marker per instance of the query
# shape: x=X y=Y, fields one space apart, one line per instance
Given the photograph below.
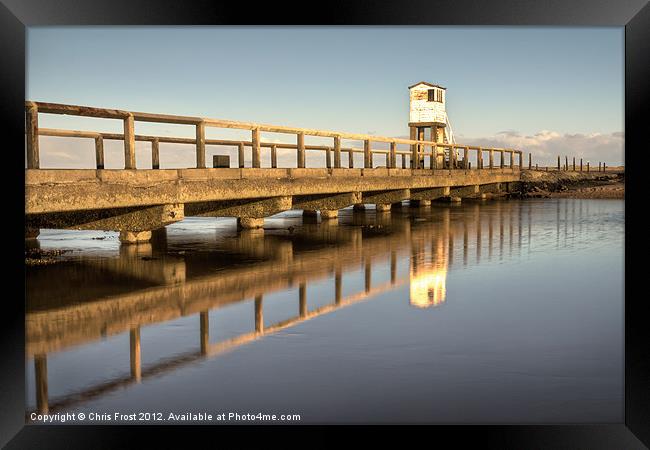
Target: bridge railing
x=457 y=156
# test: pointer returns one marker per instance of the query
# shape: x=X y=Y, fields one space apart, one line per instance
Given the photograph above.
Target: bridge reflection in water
x=88 y=298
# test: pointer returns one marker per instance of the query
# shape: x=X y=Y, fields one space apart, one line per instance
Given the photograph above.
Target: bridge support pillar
x=250 y=222
x=329 y=213
x=419 y=203
x=382 y=207
x=133 y=237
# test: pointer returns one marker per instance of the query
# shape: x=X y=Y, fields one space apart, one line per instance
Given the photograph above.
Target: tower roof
x=428 y=84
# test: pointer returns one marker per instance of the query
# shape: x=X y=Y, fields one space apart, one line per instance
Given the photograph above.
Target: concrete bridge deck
x=137 y=201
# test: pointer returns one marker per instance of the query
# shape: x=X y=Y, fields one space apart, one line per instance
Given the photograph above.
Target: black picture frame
x=16 y=15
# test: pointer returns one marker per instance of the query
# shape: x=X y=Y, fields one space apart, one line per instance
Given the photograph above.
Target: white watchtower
x=427 y=109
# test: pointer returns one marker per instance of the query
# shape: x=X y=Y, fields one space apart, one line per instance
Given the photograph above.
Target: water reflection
x=187 y=272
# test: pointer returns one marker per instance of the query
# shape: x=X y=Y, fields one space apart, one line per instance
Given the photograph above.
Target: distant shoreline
x=569 y=184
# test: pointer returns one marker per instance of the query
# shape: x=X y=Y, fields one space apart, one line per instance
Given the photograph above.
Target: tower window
x=431 y=95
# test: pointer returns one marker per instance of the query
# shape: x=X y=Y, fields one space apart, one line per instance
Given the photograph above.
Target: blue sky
x=550 y=90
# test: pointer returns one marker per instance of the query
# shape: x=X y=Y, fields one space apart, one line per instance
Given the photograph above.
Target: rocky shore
x=38 y=257
x=559 y=184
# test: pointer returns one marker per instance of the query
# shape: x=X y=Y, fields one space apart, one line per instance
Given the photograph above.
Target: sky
x=545 y=90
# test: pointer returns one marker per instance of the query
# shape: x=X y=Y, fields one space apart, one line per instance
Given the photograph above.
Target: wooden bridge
x=137 y=201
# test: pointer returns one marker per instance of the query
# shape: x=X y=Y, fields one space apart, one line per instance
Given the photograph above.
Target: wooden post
x=40 y=371
x=200 y=145
x=403 y=161
x=466 y=157
x=337 y=152
x=240 y=154
x=414 y=148
x=512 y=159
x=580 y=164
x=31 y=128
x=204 y=331
x=574 y=163
x=350 y=159
x=434 y=155
x=368 y=275
x=301 y=150
x=259 y=314
x=255 y=144
x=302 y=294
x=452 y=157
x=134 y=341
x=388 y=160
x=536 y=166
x=420 y=159
x=501 y=162
x=367 y=155
x=598 y=166
x=566 y=163
x=393 y=157
x=434 y=148
x=587 y=166
x=129 y=142
x=604 y=167
x=274 y=156
x=338 y=283
x=530 y=161
x=558 y=162
x=328 y=158
x=155 y=154
x=491 y=159
x=99 y=152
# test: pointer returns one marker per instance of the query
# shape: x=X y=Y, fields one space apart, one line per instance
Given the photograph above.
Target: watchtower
x=428 y=110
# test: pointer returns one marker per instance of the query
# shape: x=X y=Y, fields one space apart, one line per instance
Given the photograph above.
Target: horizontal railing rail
x=419 y=150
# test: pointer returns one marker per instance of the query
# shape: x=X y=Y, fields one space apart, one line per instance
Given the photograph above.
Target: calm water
x=503 y=311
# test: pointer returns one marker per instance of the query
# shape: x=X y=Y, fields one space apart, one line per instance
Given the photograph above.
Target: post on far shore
x=587 y=166
x=558 y=162
x=580 y=164
x=574 y=163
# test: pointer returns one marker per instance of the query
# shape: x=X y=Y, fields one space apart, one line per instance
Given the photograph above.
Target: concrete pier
x=133 y=237
x=249 y=222
x=329 y=213
x=136 y=201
